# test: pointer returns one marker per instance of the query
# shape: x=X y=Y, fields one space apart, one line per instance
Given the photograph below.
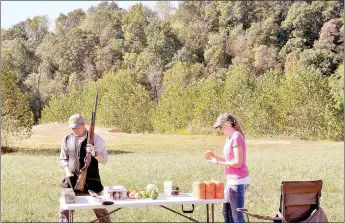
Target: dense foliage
x=17 y=118
x=276 y=65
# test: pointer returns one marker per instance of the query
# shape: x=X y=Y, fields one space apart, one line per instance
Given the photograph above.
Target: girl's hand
x=208 y=154
x=212 y=160
x=207 y=151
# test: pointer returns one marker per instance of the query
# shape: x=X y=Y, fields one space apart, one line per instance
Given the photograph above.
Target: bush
x=206 y=102
x=123 y=103
x=126 y=104
x=302 y=101
x=79 y=99
x=335 y=114
x=238 y=91
x=17 y=119
x=263 y=109
x=174 y=110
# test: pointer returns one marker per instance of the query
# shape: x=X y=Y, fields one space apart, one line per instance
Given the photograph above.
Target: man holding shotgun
x=78 y=157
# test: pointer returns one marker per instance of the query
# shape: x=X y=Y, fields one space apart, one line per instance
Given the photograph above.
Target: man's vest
x=93 y=180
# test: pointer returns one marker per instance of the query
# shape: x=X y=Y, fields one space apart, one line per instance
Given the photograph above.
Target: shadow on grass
x=48 y=151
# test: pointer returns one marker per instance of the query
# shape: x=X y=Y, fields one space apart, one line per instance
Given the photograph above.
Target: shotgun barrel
x=90 y=140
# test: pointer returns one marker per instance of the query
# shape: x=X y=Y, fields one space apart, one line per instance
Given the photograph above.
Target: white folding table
x=88 y=202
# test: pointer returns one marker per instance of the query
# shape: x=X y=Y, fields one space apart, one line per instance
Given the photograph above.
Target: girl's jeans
x=236 y=195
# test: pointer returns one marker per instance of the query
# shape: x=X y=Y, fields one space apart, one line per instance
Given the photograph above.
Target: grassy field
x=30 y=182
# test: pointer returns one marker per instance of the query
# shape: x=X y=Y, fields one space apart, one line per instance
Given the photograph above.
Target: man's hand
x=90 y=149
x=212 y=160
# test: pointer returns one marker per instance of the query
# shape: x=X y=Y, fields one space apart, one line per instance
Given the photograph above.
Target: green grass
x=30 y=183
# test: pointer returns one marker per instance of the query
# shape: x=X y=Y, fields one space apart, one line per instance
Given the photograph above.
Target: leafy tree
x=179 y=60
x=58 y=109
x=305 y=20
x=104 y=21
x=190 y=11
x=236 y=42
x=302 y=101
x=174 y=110
x=274 y=9
x=295 y=45
x=330 y=37
x=36 y=29
x=341 y=40
x=151 y=15
x=61 y=107
x=65 y=23
x=258 y=48
x=144 y=60
x=183 y=74
x=333 y=10
x=126 y=104
x=109 y=58
x=16 y=56
x=191 y=109
x=266 y=57
x=336 y=106
x=46 y=52
x=192 y=30
x=17 y=119
x=164 y=10
x=337 y=85
x=32 y=83
x=263 y=33
x=104 y=5
x=129 y=60
x=17 y=31
x=206 y=100
x=215 y=53
x=322 y=59
x=162 y=41
x=263 y=108
x=211 y=16
x=134 y=24
x=185 y=54
x=238 y=90
x=234 y=13
x=69 y=51
x=149 y=73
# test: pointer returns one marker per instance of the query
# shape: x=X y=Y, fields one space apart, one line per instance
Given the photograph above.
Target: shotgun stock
x=90 y=140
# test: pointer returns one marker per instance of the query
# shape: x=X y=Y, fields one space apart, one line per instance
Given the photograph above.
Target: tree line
x=276 y=65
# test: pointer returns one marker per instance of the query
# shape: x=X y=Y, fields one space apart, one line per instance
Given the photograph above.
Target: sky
x=13 y=12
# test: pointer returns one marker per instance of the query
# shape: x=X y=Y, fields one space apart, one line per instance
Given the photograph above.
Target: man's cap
x=75 y=121
x=222 y=118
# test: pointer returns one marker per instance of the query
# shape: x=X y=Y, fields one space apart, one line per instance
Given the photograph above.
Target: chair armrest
x=263 y=217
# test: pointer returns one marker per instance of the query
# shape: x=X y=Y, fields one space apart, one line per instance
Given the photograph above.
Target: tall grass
x=30 y=188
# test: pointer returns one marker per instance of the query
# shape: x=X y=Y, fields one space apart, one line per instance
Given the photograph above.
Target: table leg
x=70 y=215
x=106 y=215
x=212 y=212
x=207 y=215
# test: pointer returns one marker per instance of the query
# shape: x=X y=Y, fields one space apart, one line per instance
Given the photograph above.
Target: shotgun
x=90 y=140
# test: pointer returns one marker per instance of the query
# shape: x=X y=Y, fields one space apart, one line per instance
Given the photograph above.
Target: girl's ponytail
x=235 y=124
